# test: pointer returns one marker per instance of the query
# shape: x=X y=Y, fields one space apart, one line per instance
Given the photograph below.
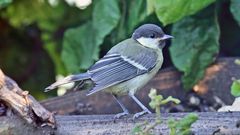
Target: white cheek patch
x=149 y=42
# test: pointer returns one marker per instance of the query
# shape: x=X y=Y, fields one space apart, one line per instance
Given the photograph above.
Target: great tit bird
x=127 y=66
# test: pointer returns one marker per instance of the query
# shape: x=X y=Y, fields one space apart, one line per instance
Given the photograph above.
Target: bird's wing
x=114 y=68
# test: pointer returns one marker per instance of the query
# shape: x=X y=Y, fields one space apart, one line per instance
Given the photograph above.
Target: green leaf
x=234 y=7
x=187 y=121
x=106 y=15
x=4 y=3
x=150 y=7
x=133 y=12
x=137 y=12
x=235 y=88
x=24 y=12
x=182 y=126
x=78 y=48
x=170 y=11
x=195 y=45
x=81 y=44
x=171 y=123
x=172 y=126
x=136 y=130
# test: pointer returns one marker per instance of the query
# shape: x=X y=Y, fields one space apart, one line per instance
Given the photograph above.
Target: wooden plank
x=209 y=123
x=216 y=83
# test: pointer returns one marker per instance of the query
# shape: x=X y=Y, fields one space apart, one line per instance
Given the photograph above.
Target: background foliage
x=43 y=38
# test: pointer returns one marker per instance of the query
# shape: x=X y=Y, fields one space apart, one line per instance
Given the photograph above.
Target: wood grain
x=22 y=103
x=209 y=123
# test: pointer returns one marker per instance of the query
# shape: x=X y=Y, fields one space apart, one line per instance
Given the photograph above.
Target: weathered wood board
x=209 y=123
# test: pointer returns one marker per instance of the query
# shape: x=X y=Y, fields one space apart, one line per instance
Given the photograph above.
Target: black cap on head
x=148 y=31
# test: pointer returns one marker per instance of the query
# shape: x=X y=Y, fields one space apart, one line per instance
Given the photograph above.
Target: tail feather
x=68 y=79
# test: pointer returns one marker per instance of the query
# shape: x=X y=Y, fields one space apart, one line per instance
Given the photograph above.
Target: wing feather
x=116 y=68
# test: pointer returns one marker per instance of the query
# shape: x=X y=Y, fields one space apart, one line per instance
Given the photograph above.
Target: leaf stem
x=157 y=121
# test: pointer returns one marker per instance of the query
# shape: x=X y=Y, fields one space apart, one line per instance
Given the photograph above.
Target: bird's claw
x=119 y=115
x=137 y=115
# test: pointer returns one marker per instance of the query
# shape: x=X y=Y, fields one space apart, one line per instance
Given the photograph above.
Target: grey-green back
x=115 y=67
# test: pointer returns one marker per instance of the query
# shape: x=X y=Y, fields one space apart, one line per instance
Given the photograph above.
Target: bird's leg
x=125 y=111
x=145 y=109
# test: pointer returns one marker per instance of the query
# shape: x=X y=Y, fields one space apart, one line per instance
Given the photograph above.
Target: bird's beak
x=166 y=37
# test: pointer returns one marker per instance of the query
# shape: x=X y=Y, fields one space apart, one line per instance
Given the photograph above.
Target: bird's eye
x=152 y=36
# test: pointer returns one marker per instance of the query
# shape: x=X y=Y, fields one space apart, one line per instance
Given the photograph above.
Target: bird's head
x=150 y=35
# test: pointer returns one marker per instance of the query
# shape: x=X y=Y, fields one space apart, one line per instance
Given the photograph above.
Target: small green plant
x=181 y=127
x=235 y=88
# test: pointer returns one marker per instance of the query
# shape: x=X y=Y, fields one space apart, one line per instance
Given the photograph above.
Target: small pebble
x=194 y=100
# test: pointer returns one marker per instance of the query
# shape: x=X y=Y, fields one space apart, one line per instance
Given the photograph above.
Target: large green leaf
x=150 y=6
x=81 y=45
x=195 y=45
x=106 y=15
x=235 y=6
x=133 y=12
x=78 y=48
x=170 y=11
x=137 y=12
